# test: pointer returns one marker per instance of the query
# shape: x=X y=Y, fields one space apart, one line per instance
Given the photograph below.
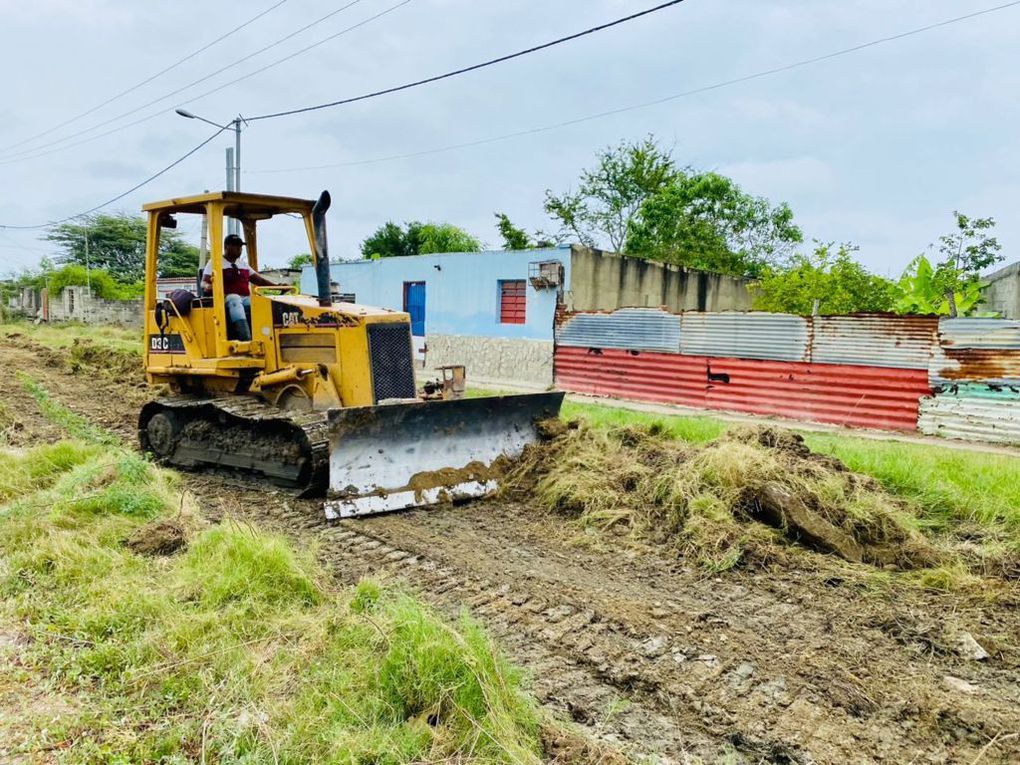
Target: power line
x=36 y=151
x=218 y=88
x=120 y=196
x=646 y=104
x=146 y=81
x=307 y=48
x=472 y=68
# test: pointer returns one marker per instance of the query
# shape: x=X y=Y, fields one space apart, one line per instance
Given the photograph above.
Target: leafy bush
x=832 y=277
x=103 y=284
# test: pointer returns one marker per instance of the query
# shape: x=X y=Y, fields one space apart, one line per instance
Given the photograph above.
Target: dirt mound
x=163 y=536
x=85 y=357
x=736 y=499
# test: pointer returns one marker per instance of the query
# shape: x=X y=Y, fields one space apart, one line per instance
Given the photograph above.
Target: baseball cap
x=232 y=239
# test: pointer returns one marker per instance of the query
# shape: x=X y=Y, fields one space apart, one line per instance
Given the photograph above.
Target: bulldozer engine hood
x=305 y=311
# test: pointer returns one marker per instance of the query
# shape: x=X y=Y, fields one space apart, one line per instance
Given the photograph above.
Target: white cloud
x=783 y=178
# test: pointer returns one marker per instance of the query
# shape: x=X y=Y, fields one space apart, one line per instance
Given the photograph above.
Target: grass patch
x=60 y=336
x=696 y=430
x=233 y=649
x=951 y=485
x=75 y=425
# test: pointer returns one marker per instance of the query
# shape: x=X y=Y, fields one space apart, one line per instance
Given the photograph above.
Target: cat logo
x=290 y=318
x=285 y=316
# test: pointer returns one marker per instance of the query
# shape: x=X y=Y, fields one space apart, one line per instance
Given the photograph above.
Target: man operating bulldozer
x=237 y=275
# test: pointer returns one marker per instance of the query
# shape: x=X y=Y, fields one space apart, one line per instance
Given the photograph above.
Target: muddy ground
x=807 y=665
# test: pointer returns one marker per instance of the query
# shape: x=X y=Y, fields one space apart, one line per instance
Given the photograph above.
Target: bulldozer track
x=242 y=433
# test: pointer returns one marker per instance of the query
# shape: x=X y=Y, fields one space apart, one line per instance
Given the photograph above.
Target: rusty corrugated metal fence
x=903 y=342
x=955 y=377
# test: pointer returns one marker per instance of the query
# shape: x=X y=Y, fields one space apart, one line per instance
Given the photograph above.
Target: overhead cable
x=147 y=80
x=644 y=104
x=472 y=68
x=36 y=151
x=218 y=88
x=120 y=196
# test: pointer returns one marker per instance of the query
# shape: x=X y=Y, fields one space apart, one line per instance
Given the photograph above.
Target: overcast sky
x=876 y=148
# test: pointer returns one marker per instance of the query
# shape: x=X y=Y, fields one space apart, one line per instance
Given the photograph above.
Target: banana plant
x=922 y=290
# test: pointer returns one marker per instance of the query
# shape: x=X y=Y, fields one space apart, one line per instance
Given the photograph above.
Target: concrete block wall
x=605 y=281
x=78 y=304
x=1003 y=292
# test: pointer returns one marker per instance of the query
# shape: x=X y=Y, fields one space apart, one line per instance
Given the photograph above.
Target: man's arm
x=260 y=281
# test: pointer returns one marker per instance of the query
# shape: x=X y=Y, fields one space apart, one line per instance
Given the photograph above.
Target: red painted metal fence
x=859 y=396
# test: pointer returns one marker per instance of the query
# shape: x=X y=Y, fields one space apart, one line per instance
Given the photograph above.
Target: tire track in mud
x=575 y=658
x=641 y=652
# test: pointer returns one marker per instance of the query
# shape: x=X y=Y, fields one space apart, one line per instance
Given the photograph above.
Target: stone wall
x=492 y=359
x=78 y=304
x=604 y=281
x=1003 y=292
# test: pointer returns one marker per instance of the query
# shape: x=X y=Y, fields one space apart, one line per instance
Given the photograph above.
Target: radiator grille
x=389 y=346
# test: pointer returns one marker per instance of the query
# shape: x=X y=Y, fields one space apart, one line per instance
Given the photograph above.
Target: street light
x=232 y=225
x=236 y=123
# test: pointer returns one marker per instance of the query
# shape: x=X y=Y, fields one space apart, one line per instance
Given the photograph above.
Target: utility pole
x=231 y=175
x=237 y=153
x=88 y=273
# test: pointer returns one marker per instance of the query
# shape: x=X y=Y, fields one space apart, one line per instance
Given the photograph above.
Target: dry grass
x=738 y=500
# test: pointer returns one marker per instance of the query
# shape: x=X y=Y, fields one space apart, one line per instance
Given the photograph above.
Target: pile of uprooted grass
x=162 y=639
x=88 y=357
x=737 y=499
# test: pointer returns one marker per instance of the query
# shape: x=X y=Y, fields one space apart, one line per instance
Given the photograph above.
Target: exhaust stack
x=321 y=249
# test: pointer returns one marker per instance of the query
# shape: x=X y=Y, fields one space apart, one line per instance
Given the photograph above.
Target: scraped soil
x=637 y=646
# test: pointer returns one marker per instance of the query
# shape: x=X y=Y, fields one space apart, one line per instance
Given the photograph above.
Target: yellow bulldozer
x=318 y=396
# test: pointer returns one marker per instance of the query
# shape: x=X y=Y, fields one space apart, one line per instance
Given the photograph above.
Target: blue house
x=492 y=311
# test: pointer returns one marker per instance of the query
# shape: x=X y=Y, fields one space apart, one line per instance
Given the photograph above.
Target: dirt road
x=641 y=650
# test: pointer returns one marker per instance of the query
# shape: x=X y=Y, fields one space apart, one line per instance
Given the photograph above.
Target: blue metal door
x=414 y=304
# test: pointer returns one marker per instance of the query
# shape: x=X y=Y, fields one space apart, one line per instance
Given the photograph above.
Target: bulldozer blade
x=394 y=456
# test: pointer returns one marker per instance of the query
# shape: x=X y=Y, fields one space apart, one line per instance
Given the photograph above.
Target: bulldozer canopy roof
x=237 y=204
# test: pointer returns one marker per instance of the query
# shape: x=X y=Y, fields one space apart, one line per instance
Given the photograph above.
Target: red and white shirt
x=235 y=276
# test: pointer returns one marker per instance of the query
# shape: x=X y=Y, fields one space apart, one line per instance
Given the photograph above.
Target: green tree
x=304 y=259
x=706 y=221
x=416 y=238
x=176 y=257
x=102 y=283
x=513 y=238
x=445 y=237
x=953 y=286
x=966 y=252
x=389 y=241
x=637 y=200
x=609 y=195
x=829 y=275
x=116 y=243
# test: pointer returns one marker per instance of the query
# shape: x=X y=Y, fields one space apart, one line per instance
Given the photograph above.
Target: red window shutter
x=512 y=302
